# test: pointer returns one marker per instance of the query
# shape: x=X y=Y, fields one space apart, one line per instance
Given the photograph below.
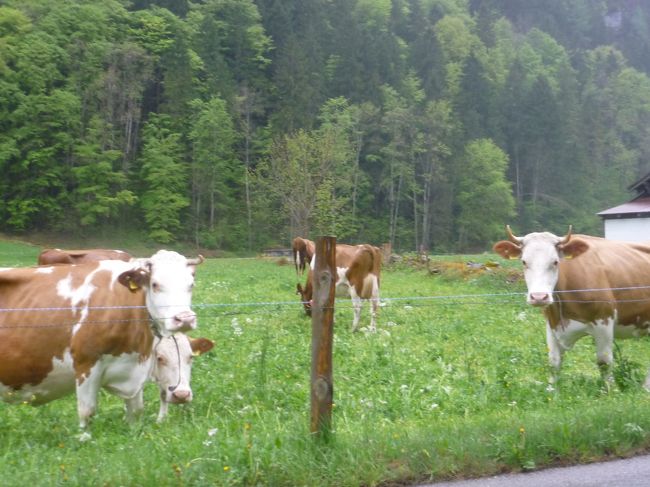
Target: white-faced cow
x=79 y=328
x=586 y=286
x=58 y=256
x=358 y=274
x=171 y=368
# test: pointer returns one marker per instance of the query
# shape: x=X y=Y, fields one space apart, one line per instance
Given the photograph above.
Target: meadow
x=453 y=384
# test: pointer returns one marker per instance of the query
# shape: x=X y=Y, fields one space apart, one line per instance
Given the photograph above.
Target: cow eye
x=161 y=360
x=524 y=263
x=555 y=263
x=156 y=287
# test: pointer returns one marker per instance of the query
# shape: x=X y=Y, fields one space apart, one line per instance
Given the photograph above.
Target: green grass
x=447 y=387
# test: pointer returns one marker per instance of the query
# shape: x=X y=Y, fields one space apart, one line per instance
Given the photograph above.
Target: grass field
x=454 y=383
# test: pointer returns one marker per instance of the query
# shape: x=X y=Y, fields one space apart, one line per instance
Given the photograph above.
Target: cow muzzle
x=176 y=395
x=184 y=321
x=540 y=299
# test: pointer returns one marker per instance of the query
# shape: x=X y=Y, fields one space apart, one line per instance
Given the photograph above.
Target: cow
x=58 y=256
x=171 y=368
x=82 y=327
x=358 y=273
x=303 y=251
x=585 y=286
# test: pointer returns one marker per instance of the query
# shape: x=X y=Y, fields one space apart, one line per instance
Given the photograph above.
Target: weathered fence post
x=322 y=334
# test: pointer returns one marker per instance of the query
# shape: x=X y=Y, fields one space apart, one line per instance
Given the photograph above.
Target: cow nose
x=539 y=299
x=183 y=395
x=185 y=321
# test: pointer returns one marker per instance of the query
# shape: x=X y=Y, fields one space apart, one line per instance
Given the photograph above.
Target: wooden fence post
x=322 y=334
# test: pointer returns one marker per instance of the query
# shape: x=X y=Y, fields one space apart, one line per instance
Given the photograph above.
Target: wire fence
x=254 y=307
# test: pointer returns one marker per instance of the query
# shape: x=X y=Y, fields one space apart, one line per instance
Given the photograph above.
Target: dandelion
x=522 y=430
x=247 y=426
x=226 y=468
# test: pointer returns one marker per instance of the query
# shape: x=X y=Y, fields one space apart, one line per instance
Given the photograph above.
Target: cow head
x=540 y=254
x=167 y=279
x=172 y=368
x=305 y=295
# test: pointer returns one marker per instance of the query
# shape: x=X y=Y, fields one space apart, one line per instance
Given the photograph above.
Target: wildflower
x=226 y=468
x=522 y=430
x=213 y=431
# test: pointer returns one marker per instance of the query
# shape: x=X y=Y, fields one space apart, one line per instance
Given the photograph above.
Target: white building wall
x=631 y=229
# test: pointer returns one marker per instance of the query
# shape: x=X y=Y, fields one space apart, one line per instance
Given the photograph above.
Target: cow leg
x=87 y=392
x=555 y=353
x=603 y=333
x=162 y=412
x=357 y=302
x=134 y=406
x=374 y=303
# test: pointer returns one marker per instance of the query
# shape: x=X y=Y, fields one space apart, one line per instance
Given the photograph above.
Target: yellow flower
x=522 y=430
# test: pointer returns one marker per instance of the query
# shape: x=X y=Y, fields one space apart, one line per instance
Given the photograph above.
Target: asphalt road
x=629 y=472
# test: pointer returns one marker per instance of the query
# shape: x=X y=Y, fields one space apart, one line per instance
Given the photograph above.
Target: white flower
x=212 y=431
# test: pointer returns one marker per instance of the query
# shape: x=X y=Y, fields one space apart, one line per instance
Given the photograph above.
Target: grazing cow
x=171 y=367
x=586 y=286
x=303 y=251
x=78 y=328
x=358 y=268
x=58 y=256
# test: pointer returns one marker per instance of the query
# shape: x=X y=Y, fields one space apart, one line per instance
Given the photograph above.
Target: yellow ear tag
x=196 y=353
x=133 y=286
x=568 y=257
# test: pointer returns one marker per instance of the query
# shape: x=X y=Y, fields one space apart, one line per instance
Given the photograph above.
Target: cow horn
x=197 y=261
x=511 y=237
x=567 y=237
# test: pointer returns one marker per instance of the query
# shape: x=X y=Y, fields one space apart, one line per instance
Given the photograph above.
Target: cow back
x=612 y=276
x=58 y=256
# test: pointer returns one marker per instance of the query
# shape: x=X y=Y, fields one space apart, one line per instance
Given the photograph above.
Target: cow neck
x=154 y=328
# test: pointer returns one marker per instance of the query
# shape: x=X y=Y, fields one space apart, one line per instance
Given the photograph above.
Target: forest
x=238 y=124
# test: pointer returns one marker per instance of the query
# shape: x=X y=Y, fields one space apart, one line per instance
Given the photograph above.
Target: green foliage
x=165 y=179
x=384 y=96
x=484 y=194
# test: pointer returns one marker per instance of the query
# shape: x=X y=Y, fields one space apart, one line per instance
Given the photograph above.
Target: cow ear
x=134 y=279
x=573 y=248
x=201 y=345
x=507 y=249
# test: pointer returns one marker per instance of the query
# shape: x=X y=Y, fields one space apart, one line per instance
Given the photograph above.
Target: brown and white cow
x=80 y=328
x=58 y=256
x=358 y=274
x=171 y=368
x=586 y=286
x=303 y=251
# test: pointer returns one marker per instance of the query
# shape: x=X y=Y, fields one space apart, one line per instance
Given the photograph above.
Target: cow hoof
x=85 y=436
